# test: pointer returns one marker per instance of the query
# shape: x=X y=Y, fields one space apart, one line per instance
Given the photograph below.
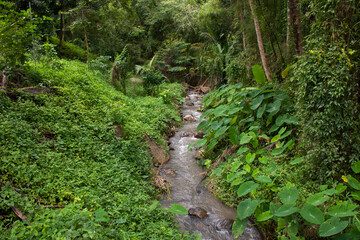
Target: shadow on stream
x=185 y=176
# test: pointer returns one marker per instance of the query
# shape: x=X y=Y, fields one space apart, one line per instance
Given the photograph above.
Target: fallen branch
x=19 y=213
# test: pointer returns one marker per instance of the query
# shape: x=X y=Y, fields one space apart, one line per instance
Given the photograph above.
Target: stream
x=185 y=176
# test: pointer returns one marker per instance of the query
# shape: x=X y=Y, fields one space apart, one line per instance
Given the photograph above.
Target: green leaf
x=243 y=149
x=239 y=226
x=345 y=209
x=274 y=107
x=353 y=182
x=221 y=131
x=247 y=168
x=297 y=161
x=244 y=138
x=356 y=167
x=275 y=138
x=178 y=209
x=250 y=157
x=332 y=226
x=235 y=166
x=212 y=144
x=312 y=214
x=317 y=199
x=247 y=187
x=237 y=182
x=356 y=195
x=264 y=216
x=340 y=188
x=201 y=125
x=246 y=208
x=289 y=195
x=329 y=192
x=201 y=142
x=101 y=215
x=259 y=74
x=286 y=134
x=263 y=160
x=286 y=210
x=263 y=179
x=233 y=135
x=261 y=111
x=256 y=102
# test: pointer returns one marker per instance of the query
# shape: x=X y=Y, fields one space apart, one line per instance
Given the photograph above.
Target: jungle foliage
x=294 y=162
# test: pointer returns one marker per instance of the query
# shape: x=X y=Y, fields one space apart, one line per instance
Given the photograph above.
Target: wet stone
x=198 y=212
x=199 y=134
x=224 y=225
x=189 y=118
x=186 y=134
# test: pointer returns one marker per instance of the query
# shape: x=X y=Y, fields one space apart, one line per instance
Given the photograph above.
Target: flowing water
x=185 y=176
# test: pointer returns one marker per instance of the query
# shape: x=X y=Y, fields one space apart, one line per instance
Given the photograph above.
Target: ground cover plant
x=66 y=169
x=267 y=177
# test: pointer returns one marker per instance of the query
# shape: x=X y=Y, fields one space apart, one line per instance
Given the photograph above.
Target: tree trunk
x=260 y=41
x=288 y=31
x=296 y=26
x=242 y=23
x=85 y=35
x=62 y=29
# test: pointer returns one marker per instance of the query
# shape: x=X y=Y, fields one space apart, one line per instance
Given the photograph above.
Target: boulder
x=205 y=90
x=198 y=212
x=199 y=134
x=189 y=118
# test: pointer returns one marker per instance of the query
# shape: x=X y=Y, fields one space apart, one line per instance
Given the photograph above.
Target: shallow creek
x=185 y=176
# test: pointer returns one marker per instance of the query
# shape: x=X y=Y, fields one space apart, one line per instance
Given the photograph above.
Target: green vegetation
x=281 y=139
x=63 y=166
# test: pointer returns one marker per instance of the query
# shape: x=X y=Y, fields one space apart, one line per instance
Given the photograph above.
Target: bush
x=326 y=104
x=71 y=51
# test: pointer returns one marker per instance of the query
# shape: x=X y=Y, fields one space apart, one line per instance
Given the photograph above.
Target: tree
x=296 y=25
x=260 y=41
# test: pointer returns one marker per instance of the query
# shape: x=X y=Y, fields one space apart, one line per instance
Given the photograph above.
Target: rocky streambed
x=208 y=216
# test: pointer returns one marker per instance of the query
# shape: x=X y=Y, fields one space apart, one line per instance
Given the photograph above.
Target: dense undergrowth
x=64 y=168
x=259 y=163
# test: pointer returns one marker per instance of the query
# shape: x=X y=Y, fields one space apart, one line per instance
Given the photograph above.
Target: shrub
x=326 y=104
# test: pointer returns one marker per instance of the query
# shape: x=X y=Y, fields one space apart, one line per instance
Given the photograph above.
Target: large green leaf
x=274 y=107
x=221 y=131
x=233 y=135
x=261 y=111
x=356 y=167
x=264 y=216
x=312 y=214
x=256 y=102
x=201 y=125
x=247 y=187
x=244 y=138
x=286 y=210
x=344 y=209
x=289 y=195
x=353 y=182
x=246 y=208
x=239 y=226
x=263 y=179
x=259 y=74
x=178 y=209
x=356 y=195
x=250 y=157
x=332 y=226
x=317 y=199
